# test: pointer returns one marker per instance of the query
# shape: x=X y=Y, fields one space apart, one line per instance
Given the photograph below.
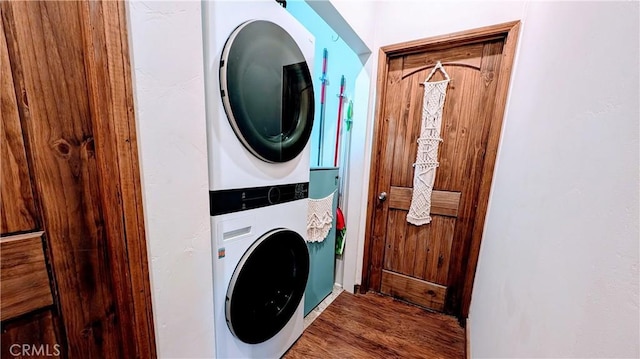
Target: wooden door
x=73 y=262
x=430 y=265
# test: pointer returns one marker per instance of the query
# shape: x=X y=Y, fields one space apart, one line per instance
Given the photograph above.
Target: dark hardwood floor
x=376 y=326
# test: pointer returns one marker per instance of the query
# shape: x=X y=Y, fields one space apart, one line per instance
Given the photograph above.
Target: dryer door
x=267 y=91
x=267 y=286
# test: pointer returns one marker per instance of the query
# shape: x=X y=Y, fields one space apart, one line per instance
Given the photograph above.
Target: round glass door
x=267 y=91
x=267 y=286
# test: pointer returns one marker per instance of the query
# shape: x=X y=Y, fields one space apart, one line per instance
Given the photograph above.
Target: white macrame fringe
x=319 y=218
x=428 y=143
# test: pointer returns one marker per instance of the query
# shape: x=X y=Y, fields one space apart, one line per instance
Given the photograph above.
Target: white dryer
x=260 y=100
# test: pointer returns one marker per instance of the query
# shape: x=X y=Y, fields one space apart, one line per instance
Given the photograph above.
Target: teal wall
x=342 y=60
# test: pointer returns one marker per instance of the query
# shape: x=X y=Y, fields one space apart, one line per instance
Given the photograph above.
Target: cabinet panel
x=322 y=182
x=32 y=336
x=24 y=281
x=16 y=204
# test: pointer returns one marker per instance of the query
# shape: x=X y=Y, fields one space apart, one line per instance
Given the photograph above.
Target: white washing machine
x=260 y=100
x=260 y=110
x=261 y=266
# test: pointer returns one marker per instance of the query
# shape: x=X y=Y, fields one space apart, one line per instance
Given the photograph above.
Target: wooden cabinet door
x=427 y=264
x=73 y=262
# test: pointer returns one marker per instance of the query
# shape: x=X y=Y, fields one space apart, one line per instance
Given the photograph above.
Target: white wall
x=166 y=51
x=360 y=15
x=558 y=268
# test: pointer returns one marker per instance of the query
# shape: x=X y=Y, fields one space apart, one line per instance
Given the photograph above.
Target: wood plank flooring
x=376 y=326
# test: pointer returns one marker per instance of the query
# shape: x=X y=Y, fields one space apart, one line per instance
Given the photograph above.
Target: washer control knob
x=274 y=195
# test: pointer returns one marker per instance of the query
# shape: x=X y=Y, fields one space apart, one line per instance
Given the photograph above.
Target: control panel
x=242 y=199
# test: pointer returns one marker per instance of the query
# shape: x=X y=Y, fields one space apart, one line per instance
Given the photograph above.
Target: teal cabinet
x=322 y=182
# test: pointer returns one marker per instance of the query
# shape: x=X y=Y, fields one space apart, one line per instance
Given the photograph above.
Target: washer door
x=267 y=286
x=267 y=91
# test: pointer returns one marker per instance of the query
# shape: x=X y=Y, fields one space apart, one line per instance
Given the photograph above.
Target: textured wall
x=558 y=271
x=166 y=49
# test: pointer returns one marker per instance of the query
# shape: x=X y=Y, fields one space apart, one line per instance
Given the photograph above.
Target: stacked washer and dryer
x=260 y=109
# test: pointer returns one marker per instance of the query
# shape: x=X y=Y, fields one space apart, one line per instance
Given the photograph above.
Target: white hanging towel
x=428 y=142
x=319 y=218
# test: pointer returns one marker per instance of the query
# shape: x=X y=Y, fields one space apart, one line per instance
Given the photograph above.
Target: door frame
x=509 y=33
x=115 y=130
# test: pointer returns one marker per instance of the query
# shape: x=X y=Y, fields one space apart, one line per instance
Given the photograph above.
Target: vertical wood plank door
x=430 y=264
x=73 y=262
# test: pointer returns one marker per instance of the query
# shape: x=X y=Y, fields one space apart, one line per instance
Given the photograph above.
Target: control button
x=299 y=191
x=274 y=195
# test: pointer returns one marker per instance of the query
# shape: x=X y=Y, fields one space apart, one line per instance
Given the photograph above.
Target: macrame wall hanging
x=319 y=218
x=428 y=142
